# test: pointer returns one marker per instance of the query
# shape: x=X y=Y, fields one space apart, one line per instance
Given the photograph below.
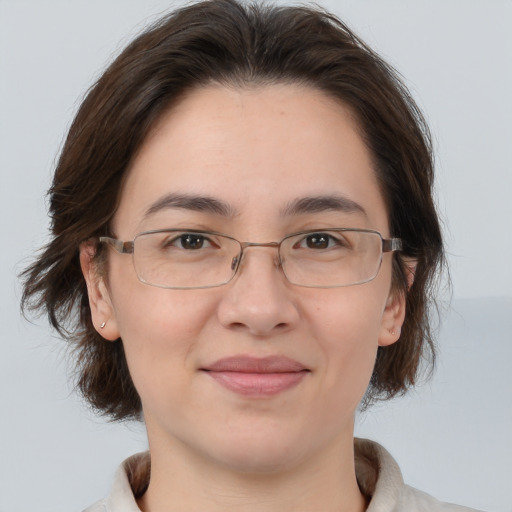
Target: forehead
x=257 y=150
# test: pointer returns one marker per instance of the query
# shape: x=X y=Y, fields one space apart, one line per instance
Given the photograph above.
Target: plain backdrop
x=452 y=436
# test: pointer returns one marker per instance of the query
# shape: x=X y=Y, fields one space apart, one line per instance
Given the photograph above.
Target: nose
x=259 y=300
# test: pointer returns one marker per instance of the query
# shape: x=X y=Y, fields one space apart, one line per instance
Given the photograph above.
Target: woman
x=244 y=246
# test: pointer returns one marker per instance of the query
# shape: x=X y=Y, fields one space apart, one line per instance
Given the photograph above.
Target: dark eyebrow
x=191 y=202
x=318 y=204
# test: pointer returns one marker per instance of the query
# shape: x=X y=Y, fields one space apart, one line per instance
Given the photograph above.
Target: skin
x=256 y=150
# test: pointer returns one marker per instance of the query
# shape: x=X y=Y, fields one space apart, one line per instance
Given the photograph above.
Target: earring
x=103 y=325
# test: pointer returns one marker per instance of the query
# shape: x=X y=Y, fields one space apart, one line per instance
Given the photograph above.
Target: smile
x=257 y=377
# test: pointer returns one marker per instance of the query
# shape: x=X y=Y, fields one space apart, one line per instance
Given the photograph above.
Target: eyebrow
x=302 y=205
x=318 y=204
x=191 y=202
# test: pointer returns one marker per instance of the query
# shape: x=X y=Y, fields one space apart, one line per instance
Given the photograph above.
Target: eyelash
x=190 y=238
x=182 y=240
x=331 y=240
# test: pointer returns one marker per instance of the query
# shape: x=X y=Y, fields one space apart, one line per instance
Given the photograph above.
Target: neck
x=180 y=481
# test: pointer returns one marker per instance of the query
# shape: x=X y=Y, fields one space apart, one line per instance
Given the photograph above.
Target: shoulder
x=411 y=499
x=130 y=481
x=380 y=479
x=100 y=506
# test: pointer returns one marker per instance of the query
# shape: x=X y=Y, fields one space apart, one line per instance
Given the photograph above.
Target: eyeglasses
x=319 y=258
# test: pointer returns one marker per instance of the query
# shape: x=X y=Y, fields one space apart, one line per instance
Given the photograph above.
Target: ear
x=394 y=313
x=392 y=318
x=102 y=311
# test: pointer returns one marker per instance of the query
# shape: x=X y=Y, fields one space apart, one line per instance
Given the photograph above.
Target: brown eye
x=318 y=241
x=191 y=241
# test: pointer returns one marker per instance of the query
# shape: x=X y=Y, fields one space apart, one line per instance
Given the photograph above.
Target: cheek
x=346 y=327
x=159 y=330
x=346 y=318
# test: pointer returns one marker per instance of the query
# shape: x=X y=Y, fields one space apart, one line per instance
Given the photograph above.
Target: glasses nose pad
x=236 y=261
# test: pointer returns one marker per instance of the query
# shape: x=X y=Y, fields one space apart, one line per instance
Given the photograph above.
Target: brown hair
x=232 y=43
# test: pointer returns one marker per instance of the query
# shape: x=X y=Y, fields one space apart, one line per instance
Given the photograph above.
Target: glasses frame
x=128 y=247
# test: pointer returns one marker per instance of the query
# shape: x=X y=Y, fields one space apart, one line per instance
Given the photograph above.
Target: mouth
x=257 y=377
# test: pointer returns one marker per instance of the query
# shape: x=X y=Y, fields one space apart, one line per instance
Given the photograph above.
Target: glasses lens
x=331 y=258
x=184 y=259
x=196 y=259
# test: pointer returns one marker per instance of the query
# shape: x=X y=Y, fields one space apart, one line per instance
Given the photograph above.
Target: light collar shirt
x=378 y=476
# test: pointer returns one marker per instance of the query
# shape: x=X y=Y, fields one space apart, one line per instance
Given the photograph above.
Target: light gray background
x=452 y=437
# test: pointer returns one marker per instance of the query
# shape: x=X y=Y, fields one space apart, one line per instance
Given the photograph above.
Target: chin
x=259 y=450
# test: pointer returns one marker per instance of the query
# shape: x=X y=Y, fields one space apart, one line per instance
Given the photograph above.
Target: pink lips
x=257 y=377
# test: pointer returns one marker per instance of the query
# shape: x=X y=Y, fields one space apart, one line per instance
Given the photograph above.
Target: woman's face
x=257 y=152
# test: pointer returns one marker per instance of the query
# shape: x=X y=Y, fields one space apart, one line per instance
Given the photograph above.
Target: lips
x=257 y=377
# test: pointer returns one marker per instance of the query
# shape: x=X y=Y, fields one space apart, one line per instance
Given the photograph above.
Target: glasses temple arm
x=118 y=245
x=391 y=244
